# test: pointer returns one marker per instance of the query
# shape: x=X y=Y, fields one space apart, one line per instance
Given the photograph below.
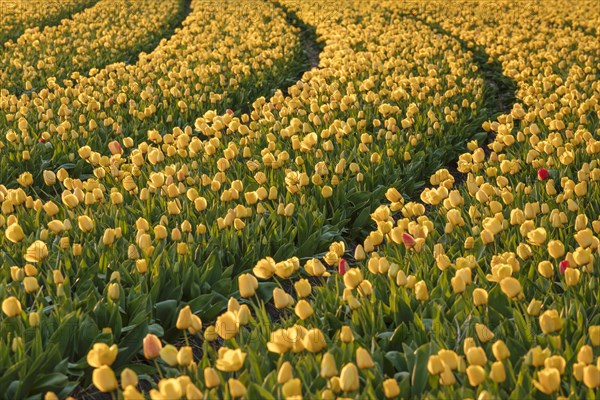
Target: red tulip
x=229 y=111
x=408 y=240
x=543 y=174
x=342 y=266
x=41 y=140
x=563 y=265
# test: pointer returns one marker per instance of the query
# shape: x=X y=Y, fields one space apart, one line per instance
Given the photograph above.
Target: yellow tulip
x=314 y=340
x=591 y=376
x=476 y=375
x=391 y=388
x=435 y=366
x=548 y=380
x=421 y=292
x=328 y=366
x=363 y=359
x=498 y=373
x=37 y=252
x=285 y=373
x=211 y=378
x=594 y=333
x=230 y=360
x=500 y=350
x=352 y=278
x=349 y=378
x=169 y=355
x=11 y=306
x=511 y=287
x=265 y=268
x=476 y=356
x=236 y=388
x=550 y=321
x=227 y=325
x=303 y=309
x=185 y=356
x=585 y=355
x=483 y=333
x=292 y=389
x=101 y=354
x=480 y=297
x=14 y=233
x=557 y=362
x=128 y=378
x=104 y=379
x=247 y=284
x=556 y=249
x=303 y=288
x=346 y=334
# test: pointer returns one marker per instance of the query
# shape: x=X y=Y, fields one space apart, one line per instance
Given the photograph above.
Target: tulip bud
x=480 y=297
x=363 y=359
x=285 y=373
x=152 y=346
x=236 y=388
x=328 y=367
x=11 y=306
x=391 y=388
x=476 y=375
x=346 y=335
x=498 y=374
x=184 y=320
x=211 y=378
x=128 y=378
x=104 y=379
x=349 y=378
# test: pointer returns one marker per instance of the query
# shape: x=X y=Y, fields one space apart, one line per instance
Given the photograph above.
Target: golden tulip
x=314 y=267
x=498 y=373
x=476 y=356
x=104 y=379
x=349 y=378
x=483 y=333
x=195 y=325
x=536 y=356
x=211 y=378
x=447 y=378
x=236 y=388
x=556 y=249
x=363 y=359
x=169 y=355
x=480 y=297
x=37 y=252
x=328 y=366
x=585 y=237
x=352 y=278
x=557 y=362
x=285 y=373
x=476 y=375
x=152 y=346
x=500 y=350
x=534 y=307
x=585 y=355
x=435 y=366
x=458 y=285
x=548 y=380
x=85 y=223
x=346 y=334
x=31 y=284
x=128 y=378
x=11 y=306
x=280 y=298
x=421 y=292
x=303 y=288
x=314 y=340
x=572 y=276
x=550 y=321
x=230 y=360
x=226 y=325
x=391 y=388
x=449 y=358
x=185 y=356
x=101 y=354
x=511 y=287
x=247 y=284
x=537 y=236
x=545 y=269
x=591 y=376
x=292 y=389
x=14 y=233
x=114 y=291
x=34 y=319
x=265 y=268
x=303 y=309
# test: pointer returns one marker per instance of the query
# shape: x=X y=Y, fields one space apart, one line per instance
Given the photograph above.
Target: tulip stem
x=158 y=369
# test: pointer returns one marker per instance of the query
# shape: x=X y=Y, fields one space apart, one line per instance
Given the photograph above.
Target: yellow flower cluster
x=97 y=36
x=21 y=15
x=318 y=244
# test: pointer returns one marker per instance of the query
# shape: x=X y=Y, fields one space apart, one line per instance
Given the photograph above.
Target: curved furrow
x=105 y=33
x=17 y=16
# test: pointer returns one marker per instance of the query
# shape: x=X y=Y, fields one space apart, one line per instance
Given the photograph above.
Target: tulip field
x=299 y=199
